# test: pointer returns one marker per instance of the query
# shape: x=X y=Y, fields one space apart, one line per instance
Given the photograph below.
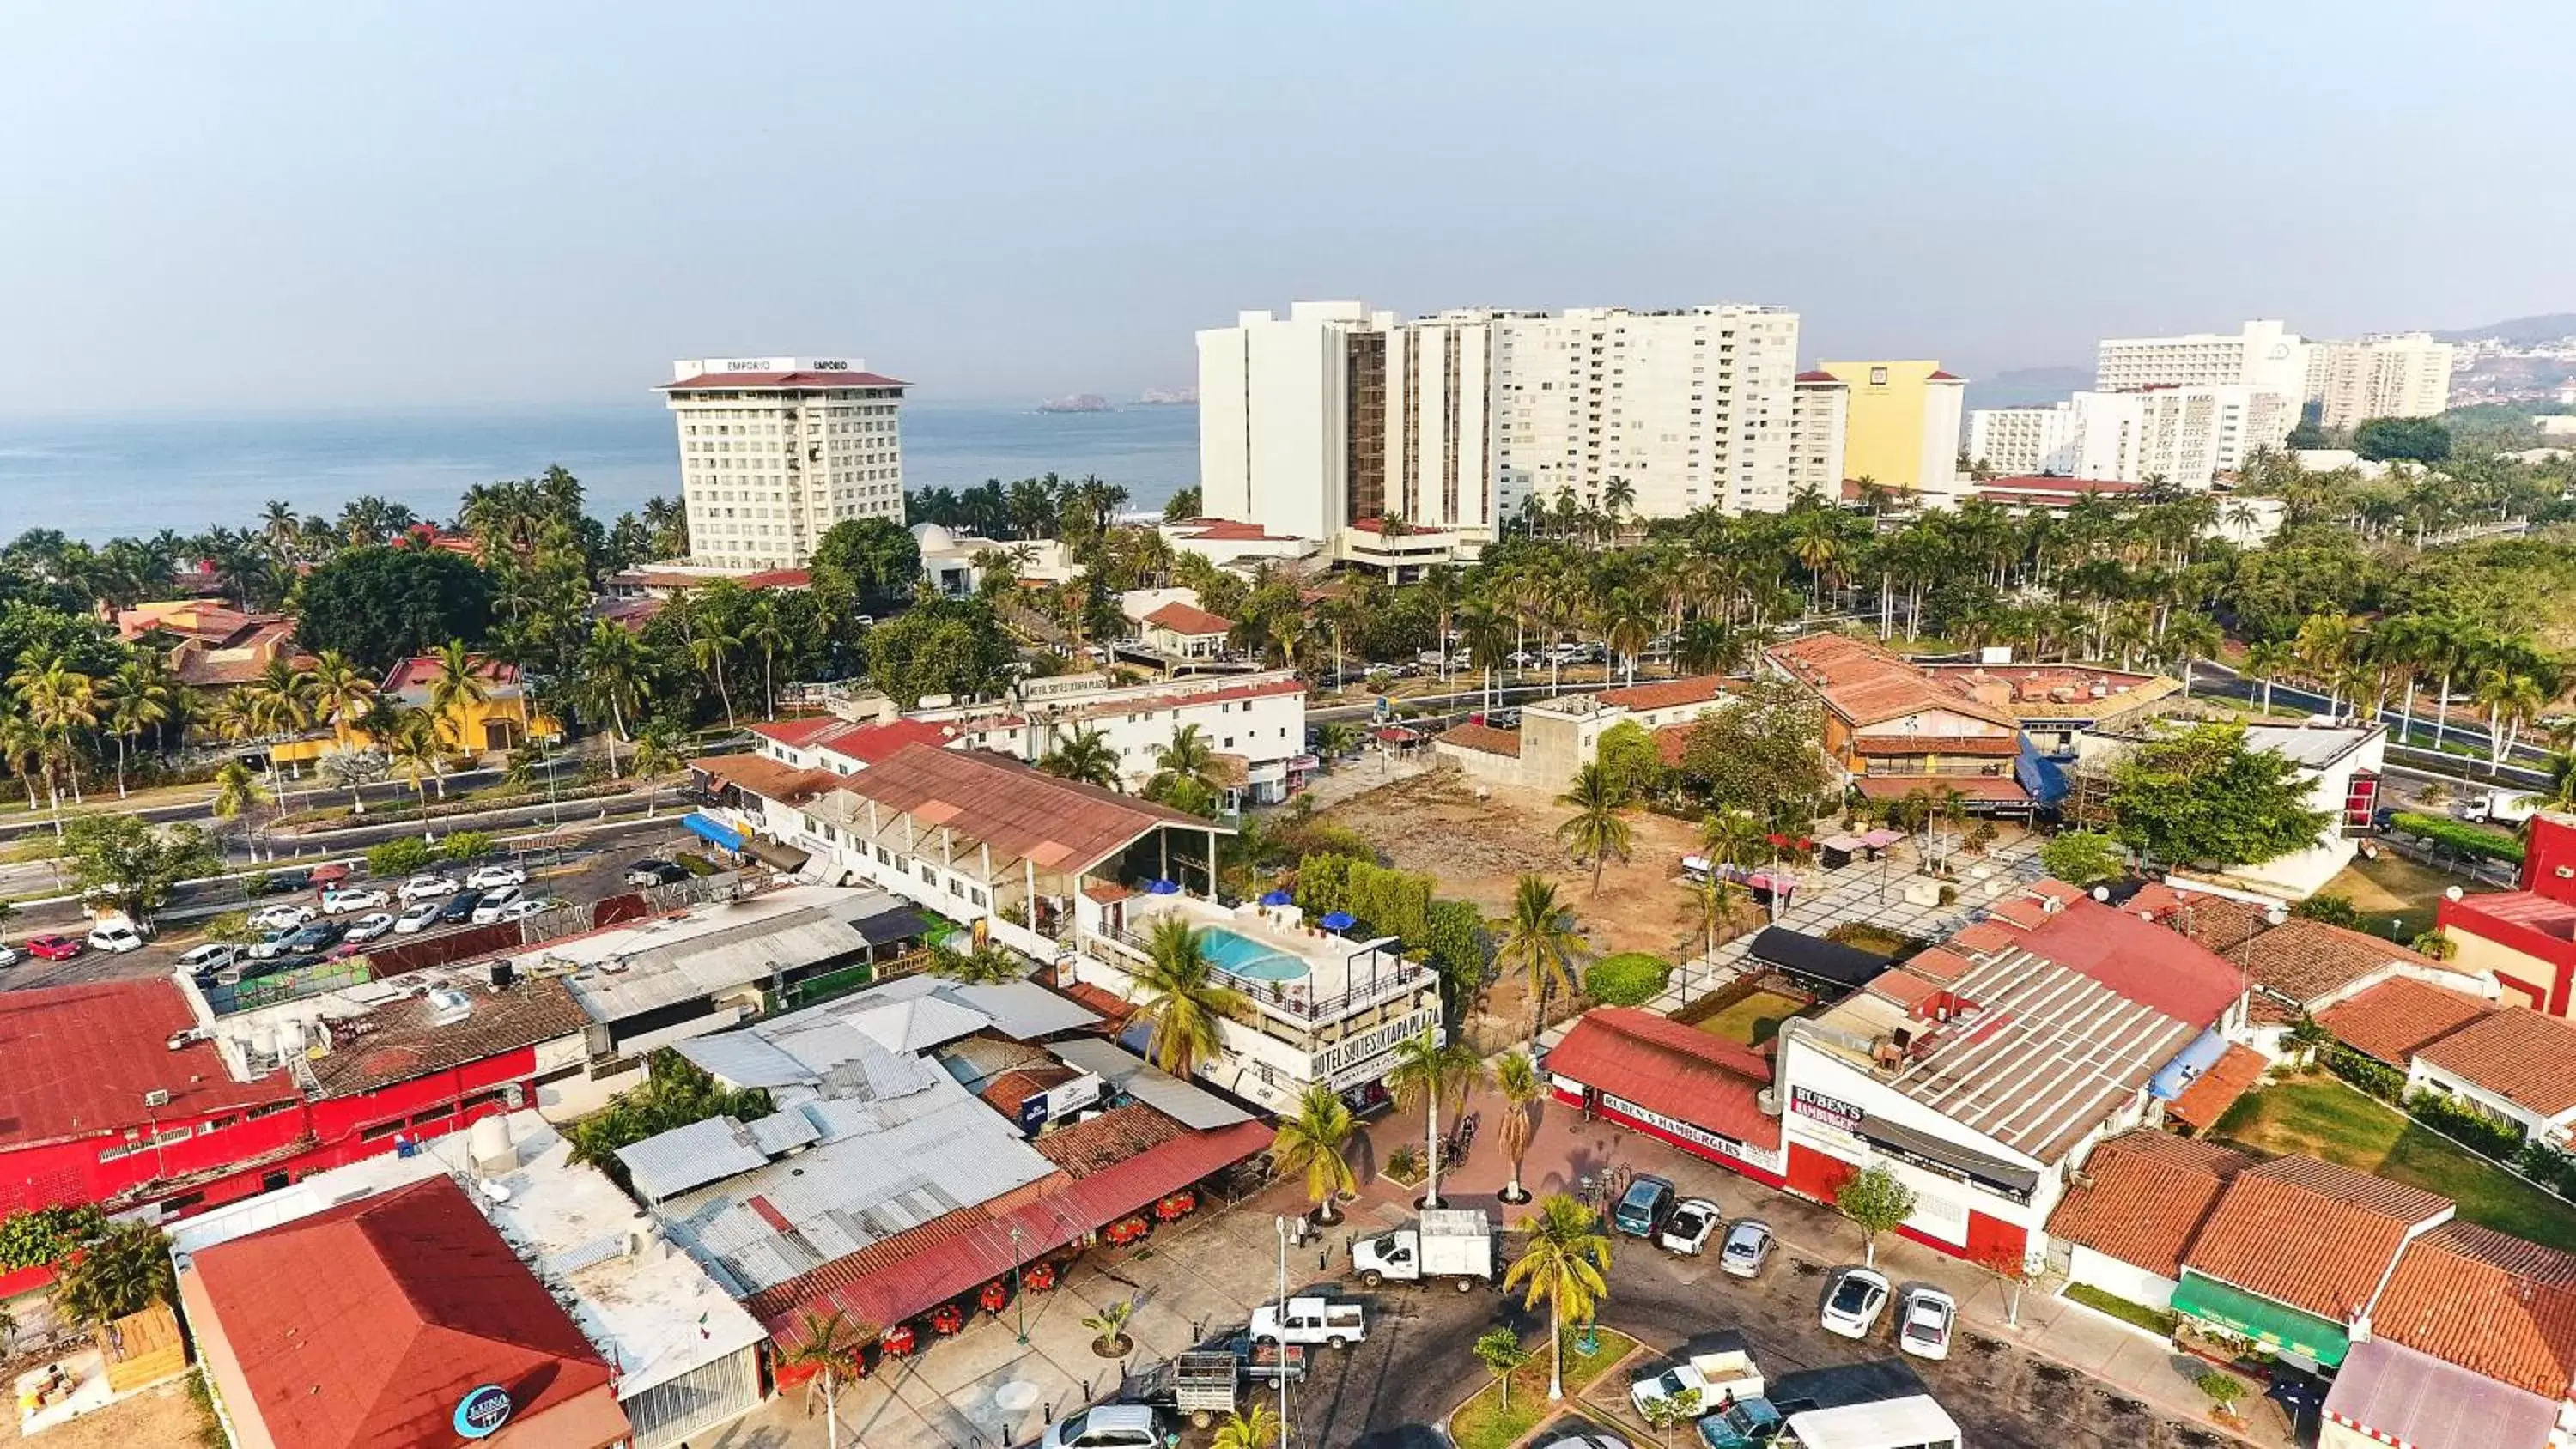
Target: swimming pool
x=1243 y=956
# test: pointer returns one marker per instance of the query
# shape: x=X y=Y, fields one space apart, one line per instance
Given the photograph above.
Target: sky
x=265 y=206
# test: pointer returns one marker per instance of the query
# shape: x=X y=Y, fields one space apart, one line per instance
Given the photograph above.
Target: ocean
x=96 y=478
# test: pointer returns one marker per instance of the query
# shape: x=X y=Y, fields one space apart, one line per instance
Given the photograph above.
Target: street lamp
x=1019 y=1299
x=1281 y=1368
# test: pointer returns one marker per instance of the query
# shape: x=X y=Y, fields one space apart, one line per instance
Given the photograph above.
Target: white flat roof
x=654 y=1313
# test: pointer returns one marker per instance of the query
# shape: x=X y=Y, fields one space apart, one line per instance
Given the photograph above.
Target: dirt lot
x=157 y=1418
x=2395 y=888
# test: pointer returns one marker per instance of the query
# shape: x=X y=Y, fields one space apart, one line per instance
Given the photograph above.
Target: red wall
x=1819 y=1175
x=2555 y=953
x=2548 y=846
x=1609 y=1114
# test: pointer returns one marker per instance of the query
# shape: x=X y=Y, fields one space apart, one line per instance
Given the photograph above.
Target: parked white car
x=1923 y=1327
x=272 y=945
x=1748 y=1247
x=490 y=877
x=1859 y=1297
x=427 y=888
x=368 y=927
x=524 y=907
x=115 y=937
x=280 y=918
x=211 y=957
x=419 y=918
x=488 y=910
x=354 y=898
x=1687 y=1230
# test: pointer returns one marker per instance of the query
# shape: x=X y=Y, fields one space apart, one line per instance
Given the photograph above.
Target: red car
x=53 y=948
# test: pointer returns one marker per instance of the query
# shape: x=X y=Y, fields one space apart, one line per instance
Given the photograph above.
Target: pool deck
x=1328 y=958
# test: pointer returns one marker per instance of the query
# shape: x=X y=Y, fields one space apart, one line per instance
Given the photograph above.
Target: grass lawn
x=2150 y=1319
x=1483 y=1422
x=2322 y=1117
x=2392 y=887
x=1754 y=1020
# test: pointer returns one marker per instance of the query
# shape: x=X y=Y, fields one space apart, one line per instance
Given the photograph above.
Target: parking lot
x=587 y=873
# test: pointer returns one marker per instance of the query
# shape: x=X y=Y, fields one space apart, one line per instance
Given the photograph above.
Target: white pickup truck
x=1311 y=1320
x=1718 y=1378
x=1452 y=1243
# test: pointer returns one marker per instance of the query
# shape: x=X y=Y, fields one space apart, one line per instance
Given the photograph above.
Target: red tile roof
x=1672 y=742
x=2142 y=1197
x=1665 y=694
x=800 y=732
x=366 y=1323
x=1812 y=375
x=2042 y=483
x=2492 y=1304
x=2400 y=1017
x=1188 y=619
x=897 y=1277
x=1100 y=1143
x=2520 y=1055
x=407 y=1040
x=76 y=1061
x=2310 y=1234
x=874 y=744
x=422 y=670
x=2302 y=959
x=769 y=779
x=1991 y=745
x=738 y=381
x=2214 y=1091
x=1227 y=530
x=2141 y=961
x=1020 y=811
x=1936 y=375
x=1483 y=739
x=1675 y=1069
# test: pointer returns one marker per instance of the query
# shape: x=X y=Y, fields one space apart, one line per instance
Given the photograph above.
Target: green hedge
x=2373 y=1077
x=2460 y=835
x=2151 y=1319
x=2467 y=1126
x=1630 y=978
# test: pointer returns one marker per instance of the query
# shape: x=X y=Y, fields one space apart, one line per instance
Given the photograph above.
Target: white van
x=1913 y=1422
x=488 y=910
x=116 y=936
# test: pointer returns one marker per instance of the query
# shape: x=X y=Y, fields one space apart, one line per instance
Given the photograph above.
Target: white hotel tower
x=775 y=450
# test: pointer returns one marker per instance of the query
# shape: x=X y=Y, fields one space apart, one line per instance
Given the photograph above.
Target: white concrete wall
x=2018 y=442
x=1271 y=403
x=2120 y=1280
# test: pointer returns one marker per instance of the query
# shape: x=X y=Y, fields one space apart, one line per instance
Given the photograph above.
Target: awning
x=1816 y=958
x=785 y=857
x=1898 y=1140
x=2394 y=1393
x=2261 y=1319
x=707 y=827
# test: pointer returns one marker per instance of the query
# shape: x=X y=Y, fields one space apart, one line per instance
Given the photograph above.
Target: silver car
x=1923 y=1325
x=1748 y=1247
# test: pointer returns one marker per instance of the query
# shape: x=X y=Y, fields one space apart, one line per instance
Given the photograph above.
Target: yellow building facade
x=1902 y=421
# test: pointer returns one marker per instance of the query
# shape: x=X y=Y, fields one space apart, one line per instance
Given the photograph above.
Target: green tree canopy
x=864 y=566
x=1764 y=748
x=939 y=646
x=2084 y=858
x=123 y=861
x=2203 y=796
x=1630 y=761
x=378 y=605
x=2415 y=440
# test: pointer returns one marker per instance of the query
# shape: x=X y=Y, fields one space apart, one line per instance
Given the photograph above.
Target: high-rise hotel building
x=775 y=450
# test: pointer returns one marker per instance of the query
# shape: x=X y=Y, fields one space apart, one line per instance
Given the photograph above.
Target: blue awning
x=2174 y=1076
x=709 y=828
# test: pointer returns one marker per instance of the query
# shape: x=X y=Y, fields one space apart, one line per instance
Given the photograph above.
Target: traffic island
x=1492 y=1419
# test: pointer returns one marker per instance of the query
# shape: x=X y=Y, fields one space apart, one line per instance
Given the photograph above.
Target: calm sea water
x=97 y=478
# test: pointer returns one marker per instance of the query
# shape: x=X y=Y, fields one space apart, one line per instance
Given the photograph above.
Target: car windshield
x=1743 y=1243
x=1852 y=1294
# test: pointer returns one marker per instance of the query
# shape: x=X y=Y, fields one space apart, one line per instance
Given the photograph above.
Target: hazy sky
x=215 y=206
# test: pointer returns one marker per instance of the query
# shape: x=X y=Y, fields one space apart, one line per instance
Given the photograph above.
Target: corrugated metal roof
x=2390 y=1390
x=710 y=964
x=916 y=1025
x=779 y=1131
x=745 y=1059
x=685 y=1157
x=1150 y=1085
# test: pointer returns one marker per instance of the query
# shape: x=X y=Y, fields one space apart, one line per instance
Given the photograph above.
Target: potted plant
x=1110 y=1324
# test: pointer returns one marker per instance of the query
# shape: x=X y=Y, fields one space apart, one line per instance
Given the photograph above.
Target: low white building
x=2342 y=766
x=955 y=563
x=687 y=1356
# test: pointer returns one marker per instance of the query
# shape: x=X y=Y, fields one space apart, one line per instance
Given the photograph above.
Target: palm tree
x=237 y=795
x=1539 y=940
x=612 y=688
x=1595 y=832
x=1430 y=1073
x=2560 y=793
x=61 y=701
x=418 y=754
x=1517 y=1077
x=137 y=699
x=1086 y=757
x=461 y=687
x=1565 y=1261
x=1184 y=1000
x=1257 y=1429
x=2188 y=636
x=829 y=1345
x=708 y=646
x=2511 y=699
x=1188 y=757
x=342 y=693
x=2266 y=662
x=1311 y=1142
x=768 y=631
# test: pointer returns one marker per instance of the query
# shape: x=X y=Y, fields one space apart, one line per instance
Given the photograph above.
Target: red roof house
x=389 y=1323
x=1699 y=1092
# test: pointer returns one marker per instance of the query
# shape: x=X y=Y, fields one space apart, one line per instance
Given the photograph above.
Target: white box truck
x=1452 y=1243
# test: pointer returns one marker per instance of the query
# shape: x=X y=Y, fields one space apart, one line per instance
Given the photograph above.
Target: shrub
x=1629 y=978
x=2334 y=910
x=2547 y=1165
x=2378 y=1079
x=2459 y=835
x=467 y=846
x=2466 y=1125
x=398 y=858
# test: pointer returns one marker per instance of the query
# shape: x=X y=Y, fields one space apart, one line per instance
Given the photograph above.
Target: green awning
x=2261 y=1319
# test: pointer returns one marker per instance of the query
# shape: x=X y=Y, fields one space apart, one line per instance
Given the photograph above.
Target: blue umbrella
x=1163 y=888
x=1278 y=898
x=1340 y=921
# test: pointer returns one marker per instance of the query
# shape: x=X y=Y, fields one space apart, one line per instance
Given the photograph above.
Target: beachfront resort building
x=775 y=450
x=1902 y=428
x=2394 y=375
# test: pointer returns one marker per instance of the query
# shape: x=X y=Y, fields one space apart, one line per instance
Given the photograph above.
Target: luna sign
x=483 y=1410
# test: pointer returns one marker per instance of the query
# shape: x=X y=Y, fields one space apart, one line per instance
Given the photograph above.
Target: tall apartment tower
x=2186 y=436
x=2263 y=355
x=775 y=450
x=1819 y=413
x=1692 y=408
x=1335 y=415
x=2022 y=442
x=2397 y=375
x=1903 y=432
